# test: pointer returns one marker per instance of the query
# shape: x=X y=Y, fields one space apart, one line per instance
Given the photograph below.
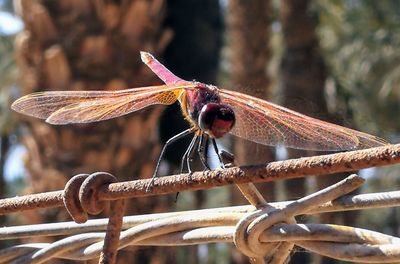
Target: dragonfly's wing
x=270 y=124
x=63 y=107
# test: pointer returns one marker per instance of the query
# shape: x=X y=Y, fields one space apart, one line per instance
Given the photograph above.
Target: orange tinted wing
x=63 y=107
x=270 y=124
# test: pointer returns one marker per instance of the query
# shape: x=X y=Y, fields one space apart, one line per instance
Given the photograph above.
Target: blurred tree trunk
x=4 y=147
x=303 y=80
x=302 y=71
x=193 y=23
x=74 y=45
x=92 y=45
x=193 y=54
x=249 y=35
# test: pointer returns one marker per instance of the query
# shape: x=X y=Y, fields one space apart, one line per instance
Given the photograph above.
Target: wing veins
x=46 y=104
x=306 y=132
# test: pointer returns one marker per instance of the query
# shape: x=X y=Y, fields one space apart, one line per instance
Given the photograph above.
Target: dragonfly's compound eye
x=216 y=119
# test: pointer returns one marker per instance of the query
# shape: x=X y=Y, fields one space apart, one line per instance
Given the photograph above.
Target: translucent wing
x=270 y=124
x=63 y=107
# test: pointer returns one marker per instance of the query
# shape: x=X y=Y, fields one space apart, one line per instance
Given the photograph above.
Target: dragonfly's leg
x=190 y=155
x=202 y=150
x=217 y=151
x=169 y=142
x=184 y=158
x=227 y=157
x=187 y=156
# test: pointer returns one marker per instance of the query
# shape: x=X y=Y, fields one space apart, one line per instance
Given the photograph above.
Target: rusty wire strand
x=111 y=241
x=288 y=169
x=193 y=228
x=93 y=190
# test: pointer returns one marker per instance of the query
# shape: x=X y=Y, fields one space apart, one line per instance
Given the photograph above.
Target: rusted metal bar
x=288 y=169
x=111 y=241
x=263 y=229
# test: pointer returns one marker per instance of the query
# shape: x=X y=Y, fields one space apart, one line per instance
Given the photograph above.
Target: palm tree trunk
x=194 y=23
x=303 y=80
x=93 y=45
x=85 y=45
x=250 y=54
x=248 y=29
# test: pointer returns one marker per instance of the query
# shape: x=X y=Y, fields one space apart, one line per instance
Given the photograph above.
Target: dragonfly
x=212 y=113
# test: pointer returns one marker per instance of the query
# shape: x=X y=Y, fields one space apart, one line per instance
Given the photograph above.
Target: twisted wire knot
x=249 y=229
x=81 y=195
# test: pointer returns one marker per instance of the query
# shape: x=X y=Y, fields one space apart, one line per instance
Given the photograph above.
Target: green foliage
x=361 y=44
x=8 y=78
x=360 y=41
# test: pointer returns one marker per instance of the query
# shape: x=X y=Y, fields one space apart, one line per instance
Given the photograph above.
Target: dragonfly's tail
x=160 y=70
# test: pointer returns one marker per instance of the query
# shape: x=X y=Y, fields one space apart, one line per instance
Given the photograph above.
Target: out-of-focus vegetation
x=8 y=78
x=8 y=89
x=361 y=43
x=8 y=82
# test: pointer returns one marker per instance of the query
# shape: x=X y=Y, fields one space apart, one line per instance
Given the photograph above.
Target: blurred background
x=335 y=60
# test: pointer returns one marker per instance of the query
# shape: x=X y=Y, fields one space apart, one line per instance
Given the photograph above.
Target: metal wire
x=263 y=231
x=288 y=169
x=344 y=203
x=210 y=226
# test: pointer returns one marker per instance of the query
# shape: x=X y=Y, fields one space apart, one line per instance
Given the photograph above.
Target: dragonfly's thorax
x=197 y=98
x=204 y=108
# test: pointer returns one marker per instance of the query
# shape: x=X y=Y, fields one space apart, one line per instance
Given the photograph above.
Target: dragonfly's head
x=216 y=119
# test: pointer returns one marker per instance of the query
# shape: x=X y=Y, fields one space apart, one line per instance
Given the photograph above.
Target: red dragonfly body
x=211 y=111
x=205 y=111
